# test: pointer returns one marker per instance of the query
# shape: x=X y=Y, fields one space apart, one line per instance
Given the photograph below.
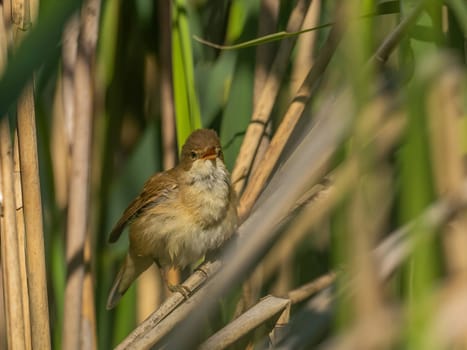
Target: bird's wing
x=155 y=191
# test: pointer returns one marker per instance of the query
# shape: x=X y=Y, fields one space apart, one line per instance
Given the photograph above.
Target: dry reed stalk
x=35 y=254
x=305 y=55
x=3 y=322
x=262 y=111
x=78 y=210
x=88 y=327
x=267 y=309
x=63 y=114
x=14 y=286
x=21 y=240
x=305 y=291
x=32 y=204
x=11 y=261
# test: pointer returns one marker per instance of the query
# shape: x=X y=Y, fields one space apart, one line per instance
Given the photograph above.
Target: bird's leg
x=182 y=289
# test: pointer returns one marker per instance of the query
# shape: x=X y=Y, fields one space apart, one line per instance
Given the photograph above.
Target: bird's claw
x=182 y=289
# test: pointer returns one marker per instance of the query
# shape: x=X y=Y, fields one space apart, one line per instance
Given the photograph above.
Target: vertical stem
x=10 y=249
x=78 y=212
x=32 y=204
x=35 y=255
x=21 y=233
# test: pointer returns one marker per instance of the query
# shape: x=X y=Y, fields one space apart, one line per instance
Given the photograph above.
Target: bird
x=180 y=215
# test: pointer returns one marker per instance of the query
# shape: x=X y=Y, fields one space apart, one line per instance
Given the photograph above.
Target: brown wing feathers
x=155 y=191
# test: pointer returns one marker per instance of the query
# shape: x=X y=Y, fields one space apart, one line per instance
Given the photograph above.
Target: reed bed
x=344 y=128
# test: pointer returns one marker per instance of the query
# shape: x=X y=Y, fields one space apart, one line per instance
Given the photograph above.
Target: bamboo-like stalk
x=11 y=261
x=78 y=213
x=21 y=241
x=32 y=204
x=14 y=288
x=35 y=254
x=88 y=327
x=305 y=56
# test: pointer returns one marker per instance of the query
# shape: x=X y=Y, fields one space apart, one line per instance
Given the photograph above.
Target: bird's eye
x=193 y=155
x=220 y=154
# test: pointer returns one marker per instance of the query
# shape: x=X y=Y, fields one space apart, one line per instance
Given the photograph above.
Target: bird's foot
x=182 y=289
x=203 y=271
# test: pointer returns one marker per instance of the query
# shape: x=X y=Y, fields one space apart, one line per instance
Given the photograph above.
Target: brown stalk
x=12 y=254
x=11 y=261
x=88 y=327
x=265 y=104
x=64 y=110
x=35 y=254
x=305 y=55
x=21 y=241
x=307 y=290
x=31 y=197
x=78 y=211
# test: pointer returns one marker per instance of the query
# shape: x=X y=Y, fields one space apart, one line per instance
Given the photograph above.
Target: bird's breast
x=201 y=218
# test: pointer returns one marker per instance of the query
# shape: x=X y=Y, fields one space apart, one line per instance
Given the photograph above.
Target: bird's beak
x=210 y=153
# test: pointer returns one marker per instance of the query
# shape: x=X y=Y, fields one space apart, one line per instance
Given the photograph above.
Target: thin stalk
x=32 y=203
x=10 y=250
x=78 y=212
x=21 y=241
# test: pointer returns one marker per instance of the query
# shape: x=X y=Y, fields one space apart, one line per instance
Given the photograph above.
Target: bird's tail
x=132 y=267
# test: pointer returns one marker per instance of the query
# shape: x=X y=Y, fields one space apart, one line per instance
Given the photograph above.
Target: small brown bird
x=180 y=215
